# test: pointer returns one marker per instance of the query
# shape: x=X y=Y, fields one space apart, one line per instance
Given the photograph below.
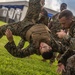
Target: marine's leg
x=70 y=66
x=14 y=27
x=32 y=13
x=33 y=10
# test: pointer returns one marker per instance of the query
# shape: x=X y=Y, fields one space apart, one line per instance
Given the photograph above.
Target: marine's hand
x=9 y=35
x=61 y=34
x=60 y=68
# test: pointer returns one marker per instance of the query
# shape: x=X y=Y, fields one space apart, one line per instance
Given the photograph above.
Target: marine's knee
x=71 y=61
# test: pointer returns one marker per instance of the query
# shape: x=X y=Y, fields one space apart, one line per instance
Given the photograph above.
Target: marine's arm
x=15 y=51
x=21 y=44
x=69 y=52
x=58 y=46
x=62 y=49
x=71 y=48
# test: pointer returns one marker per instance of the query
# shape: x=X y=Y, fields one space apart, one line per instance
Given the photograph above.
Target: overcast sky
x=54 y=4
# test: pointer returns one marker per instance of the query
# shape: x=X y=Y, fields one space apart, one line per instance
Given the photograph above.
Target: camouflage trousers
x=70 y=66
x=18 y=29
x=14 y=27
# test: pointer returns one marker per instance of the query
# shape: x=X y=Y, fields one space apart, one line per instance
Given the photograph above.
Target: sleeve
x=68 y=37
x=21 y=43
x=70 y=50
x=61 y=48
x=58 y=47
x=65 y=56
x=21 y=53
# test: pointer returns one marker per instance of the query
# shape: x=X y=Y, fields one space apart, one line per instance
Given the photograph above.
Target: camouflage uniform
x=54 y=26
x=70 y=67
x=43 y=17
x=21 y=44
x=32 y=37
x=68 y=58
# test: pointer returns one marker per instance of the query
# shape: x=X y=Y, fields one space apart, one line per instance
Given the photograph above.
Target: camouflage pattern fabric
x=43 y=32
x=21 y=28
x=68 y=58
x=21 y=44
x=70 y=67
x=70 y=39
x=33 y=10
x=43 y=17
x=33 y=48
x=55 y=25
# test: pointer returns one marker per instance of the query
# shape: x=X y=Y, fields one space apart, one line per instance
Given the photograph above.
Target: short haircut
x=45 y=12
x=47 y=55
x=65 y=13
x=63 y=5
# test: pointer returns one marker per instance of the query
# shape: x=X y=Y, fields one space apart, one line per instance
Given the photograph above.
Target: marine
x=67 y=61
x=38 y=35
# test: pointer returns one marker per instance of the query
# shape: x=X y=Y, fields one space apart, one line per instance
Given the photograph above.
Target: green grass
x=2 y=23
x=32 y=65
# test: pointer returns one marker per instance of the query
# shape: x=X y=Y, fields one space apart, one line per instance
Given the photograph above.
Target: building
x=16 y=11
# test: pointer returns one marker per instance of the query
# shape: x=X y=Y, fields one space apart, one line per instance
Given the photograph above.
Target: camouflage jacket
x=70 y=40
x=55 y=26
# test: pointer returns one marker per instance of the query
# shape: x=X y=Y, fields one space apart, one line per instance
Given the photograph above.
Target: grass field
x=32 y=65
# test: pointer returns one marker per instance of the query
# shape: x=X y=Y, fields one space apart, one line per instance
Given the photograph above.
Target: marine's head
x=46 y=49
x=63 y=6
x=65 y=18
